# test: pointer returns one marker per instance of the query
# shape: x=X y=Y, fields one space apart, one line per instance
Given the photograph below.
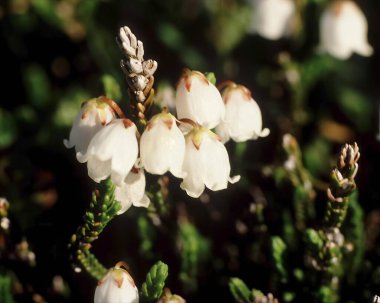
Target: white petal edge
x=264 y=132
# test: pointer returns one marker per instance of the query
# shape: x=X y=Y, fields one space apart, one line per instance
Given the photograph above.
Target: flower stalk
x=326 y=245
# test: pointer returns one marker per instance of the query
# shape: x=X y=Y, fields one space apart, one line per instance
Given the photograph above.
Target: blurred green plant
x=8 y=129
x=194 y=250
x=5 y=289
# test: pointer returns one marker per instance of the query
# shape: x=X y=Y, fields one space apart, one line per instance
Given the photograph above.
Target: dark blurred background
x=54 y=55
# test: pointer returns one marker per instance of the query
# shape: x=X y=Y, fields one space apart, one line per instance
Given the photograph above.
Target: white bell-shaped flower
x=112 y=151
x=94 y=114
x=162 y=146
x=343 y=30
x=206 y=163
x=272 y=19
x=242 y=120
x=132 y=191
x=117 y=286
x=198 y=99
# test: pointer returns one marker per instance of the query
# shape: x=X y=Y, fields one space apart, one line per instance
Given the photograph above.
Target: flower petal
x=162 y=149
x=98 y=170
x=193 y=187
x=144 y=202
x=132 y=191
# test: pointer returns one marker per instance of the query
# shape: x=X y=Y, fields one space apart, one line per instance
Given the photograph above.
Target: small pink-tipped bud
x=117 y=286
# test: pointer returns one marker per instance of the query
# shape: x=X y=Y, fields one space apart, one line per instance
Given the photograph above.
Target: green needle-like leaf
x=154 y=284
x=239 y=290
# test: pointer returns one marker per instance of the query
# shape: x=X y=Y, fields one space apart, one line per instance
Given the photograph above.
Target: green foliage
x=230 y=25
x=326 y=294
x=314 y=68
x=152 y=288
x=355 y=236
x=240 y=291
x=242 y=294
x=158 y=204
x=293 y=98
x=102 y=210
x=69 y=105
x=174 y=39
x=45 y=8
x=146 y=233
x=37 y=85
x=195 y=250
x=170 y=35
x=5 y=289
x=8 y=129
x=91 y=264
x=357 y=108
x=313 y=240
x=111 y=87
x=316 y=155
x=211 y=77
x=278 y=250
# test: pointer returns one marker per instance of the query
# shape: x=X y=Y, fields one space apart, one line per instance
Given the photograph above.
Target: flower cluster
x=343 y=26
x=186 y=147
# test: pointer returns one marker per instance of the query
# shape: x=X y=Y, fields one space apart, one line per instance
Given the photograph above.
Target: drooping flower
x=206 y=163
x=272 y=19
x=162 y=146
x=112 y=152
x=117 y=286
x=94 y=114
x=242 y=120
x=198 y=99
x=343 y=30
x=132 y=191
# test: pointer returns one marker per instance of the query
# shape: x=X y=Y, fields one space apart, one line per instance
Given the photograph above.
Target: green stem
x=102 y=210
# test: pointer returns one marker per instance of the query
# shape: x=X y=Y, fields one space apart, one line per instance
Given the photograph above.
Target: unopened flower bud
x=117 y=286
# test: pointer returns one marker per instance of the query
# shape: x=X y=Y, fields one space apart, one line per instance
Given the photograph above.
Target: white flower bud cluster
x=112 y=147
